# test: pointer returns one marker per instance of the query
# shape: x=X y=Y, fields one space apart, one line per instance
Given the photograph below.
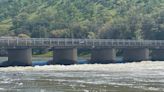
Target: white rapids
x=146 y=76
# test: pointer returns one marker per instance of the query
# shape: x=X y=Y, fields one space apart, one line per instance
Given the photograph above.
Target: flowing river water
x=144 y=76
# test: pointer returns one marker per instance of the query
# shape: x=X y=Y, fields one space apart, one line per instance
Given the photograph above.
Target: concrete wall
x=106 y=55
x=65 y=56
x=20 y=57
x=131 y=55
x=157 y=55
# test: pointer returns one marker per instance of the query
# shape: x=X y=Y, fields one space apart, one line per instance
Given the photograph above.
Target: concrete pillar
x=20 y=57
x=157 y=55
x=65 y=56
x=103 y=56
x=131 y=55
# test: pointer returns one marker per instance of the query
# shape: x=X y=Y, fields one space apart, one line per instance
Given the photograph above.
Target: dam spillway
x=65 y=49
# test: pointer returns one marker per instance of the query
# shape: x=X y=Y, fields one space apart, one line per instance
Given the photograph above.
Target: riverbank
x=84 y=55
x=48 y=54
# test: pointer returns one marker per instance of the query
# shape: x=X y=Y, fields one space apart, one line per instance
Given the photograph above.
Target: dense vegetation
x=116 y=19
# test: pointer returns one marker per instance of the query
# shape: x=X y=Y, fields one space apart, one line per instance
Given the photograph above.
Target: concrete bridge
x=65 y=50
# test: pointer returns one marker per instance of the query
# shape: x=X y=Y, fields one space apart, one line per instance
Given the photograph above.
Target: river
x=143 y=76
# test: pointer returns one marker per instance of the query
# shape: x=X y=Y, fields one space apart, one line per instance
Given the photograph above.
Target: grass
x=84 y=54
x=48 y=54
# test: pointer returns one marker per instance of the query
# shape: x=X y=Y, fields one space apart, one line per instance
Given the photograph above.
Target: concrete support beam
x=104 y=56
x=131 y=55
x=20 y=57
x=65 y=56
x=157 y=55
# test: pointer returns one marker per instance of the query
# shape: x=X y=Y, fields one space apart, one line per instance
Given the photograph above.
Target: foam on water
x=146 y=75
x=2 y=89
x=136 y=66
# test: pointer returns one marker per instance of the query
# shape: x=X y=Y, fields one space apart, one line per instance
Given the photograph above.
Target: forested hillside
x=116 y=19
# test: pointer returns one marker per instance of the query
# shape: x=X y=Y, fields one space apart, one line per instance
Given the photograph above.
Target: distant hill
x=116 y=19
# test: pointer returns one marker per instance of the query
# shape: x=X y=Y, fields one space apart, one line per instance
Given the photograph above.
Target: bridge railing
x=65 y=42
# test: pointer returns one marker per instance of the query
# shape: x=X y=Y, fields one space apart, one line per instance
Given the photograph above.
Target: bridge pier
x=65 y=56
x=20 y=57
x=157 y=55
x=104 y=56
x=131 y=55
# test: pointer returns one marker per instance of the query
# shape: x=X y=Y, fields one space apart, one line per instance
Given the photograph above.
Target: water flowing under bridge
x=65 y=49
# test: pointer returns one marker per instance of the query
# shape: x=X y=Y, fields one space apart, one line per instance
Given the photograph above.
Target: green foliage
x=47 y=54
x=23 y=36
x=115 y=19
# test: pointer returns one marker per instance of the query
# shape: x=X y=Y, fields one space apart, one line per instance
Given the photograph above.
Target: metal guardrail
x=79 y=43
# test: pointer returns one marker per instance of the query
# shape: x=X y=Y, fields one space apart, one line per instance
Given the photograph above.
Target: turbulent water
x=129 y=77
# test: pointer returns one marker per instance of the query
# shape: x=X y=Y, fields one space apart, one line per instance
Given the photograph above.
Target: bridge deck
x=78 y=43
